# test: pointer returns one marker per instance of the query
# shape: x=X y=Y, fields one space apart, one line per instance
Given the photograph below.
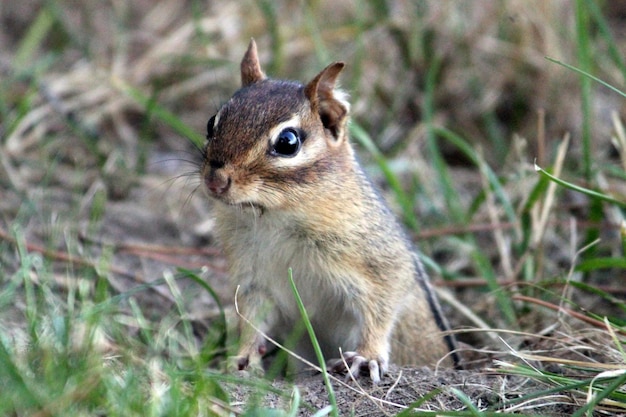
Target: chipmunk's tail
x=435 y=307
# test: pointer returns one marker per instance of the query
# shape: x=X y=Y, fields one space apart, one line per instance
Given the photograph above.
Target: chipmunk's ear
x=328 y=102
x=251 y=71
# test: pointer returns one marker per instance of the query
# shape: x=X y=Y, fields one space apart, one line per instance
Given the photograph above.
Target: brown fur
x=315 y=212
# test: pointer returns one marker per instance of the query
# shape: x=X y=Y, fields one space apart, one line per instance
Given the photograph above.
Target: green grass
x=316 y=346
x=84 y=351
x=427 y=117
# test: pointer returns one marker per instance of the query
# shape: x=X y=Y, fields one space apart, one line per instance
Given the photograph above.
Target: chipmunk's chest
x=275 y=240
x=263 y=247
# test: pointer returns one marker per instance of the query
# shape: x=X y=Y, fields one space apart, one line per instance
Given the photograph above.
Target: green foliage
x=77 y=355
x=316 y=345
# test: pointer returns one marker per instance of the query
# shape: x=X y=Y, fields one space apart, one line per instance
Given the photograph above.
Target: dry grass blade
x=542 y=217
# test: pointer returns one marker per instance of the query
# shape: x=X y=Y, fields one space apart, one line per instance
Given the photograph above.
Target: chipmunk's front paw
x=248 y=364
x=358 y=364
x=248 y=359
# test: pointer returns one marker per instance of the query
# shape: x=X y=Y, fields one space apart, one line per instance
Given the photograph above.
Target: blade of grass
x=618 y=302
x=142 y=323
x=269 y=10
x=588 y=75
x=36 y=35
x=295 y=402
x=323 y=412
x=26 y=264
x=402 y=198
x=471 y=153
x=485 y=269
x=221 y=324
x=605 y=31
x=536 y=195
x=619 y=343
x=584 y=61
x=444 y=179
x=161 y=113
x=315 y=33
x=410 y=409
x=593 y=400
x=559 y=383
x=12 y=381
x=467 y=401
x=316 y=345
x=452 y=197
x=574 y=187
x=601 y=263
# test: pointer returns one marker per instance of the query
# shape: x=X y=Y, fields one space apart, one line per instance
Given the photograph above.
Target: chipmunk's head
x=273 y=140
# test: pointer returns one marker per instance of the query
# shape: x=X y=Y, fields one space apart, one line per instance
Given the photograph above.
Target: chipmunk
x=289 y=193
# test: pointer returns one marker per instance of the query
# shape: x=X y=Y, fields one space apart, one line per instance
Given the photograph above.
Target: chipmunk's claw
x=245 y=364
x=358 y=364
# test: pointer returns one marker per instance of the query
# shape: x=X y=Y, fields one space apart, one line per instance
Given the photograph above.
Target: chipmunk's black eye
x=209 y=128
x=287 y=143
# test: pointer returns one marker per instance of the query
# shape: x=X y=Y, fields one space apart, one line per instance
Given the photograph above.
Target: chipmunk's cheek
x=259 y=195
x=247 y=192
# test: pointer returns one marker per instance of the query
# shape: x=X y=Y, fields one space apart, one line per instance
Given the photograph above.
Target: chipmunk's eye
x=287 y=143
x=209 y=128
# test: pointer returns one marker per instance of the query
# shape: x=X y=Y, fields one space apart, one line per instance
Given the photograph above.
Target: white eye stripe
x=274 y=132
x=216 y=120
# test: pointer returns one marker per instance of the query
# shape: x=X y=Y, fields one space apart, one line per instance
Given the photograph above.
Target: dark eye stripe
x=210 y=127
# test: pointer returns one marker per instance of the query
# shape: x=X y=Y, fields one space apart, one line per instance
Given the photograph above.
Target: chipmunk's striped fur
x=290 y=194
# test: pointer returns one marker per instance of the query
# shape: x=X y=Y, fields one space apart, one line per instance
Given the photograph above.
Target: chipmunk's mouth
x=223 y=188
x=240 y=205
x=252 y=206
x=246 y=207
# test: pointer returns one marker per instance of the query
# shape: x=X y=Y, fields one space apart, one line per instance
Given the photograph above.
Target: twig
x=65 y=257
x=488 y=227
x=145 y=247
x=575 y=314
x=481 y=282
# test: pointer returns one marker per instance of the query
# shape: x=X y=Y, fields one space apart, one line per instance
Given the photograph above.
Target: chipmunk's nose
x=217 y=181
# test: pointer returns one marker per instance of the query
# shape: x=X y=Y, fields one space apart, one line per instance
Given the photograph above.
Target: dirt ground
x=421 y=389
